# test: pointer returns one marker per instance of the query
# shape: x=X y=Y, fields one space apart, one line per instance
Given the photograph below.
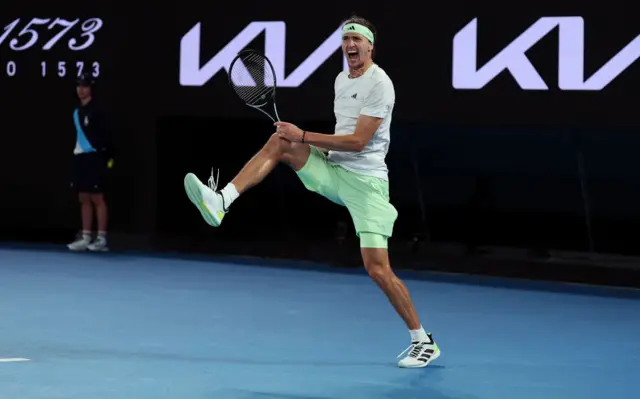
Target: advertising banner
x=467 y=64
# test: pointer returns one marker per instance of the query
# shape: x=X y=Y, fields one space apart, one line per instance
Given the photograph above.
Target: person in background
x=91 y=162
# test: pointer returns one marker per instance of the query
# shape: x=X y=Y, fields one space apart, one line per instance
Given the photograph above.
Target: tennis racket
x=253 y=78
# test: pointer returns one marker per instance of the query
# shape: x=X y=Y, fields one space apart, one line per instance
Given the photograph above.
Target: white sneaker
x=209 y=202
x=421 y=353
x=99 y=245
x=81 y=244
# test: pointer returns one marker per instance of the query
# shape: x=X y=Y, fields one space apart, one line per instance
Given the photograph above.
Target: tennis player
x=347 y=167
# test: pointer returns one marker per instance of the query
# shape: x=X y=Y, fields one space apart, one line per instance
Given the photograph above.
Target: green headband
x=357 y=28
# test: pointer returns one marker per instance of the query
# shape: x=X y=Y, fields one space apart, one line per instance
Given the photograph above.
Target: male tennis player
x=353 y=174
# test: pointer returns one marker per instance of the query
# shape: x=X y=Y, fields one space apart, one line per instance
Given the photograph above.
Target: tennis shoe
x=81 y=244
x=207 y=199
x=99 y=245
x=421 y=353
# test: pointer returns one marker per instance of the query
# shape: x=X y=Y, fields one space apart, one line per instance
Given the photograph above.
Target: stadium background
x=545 y=181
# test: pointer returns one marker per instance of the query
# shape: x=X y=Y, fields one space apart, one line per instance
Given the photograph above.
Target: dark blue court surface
x=141 y=327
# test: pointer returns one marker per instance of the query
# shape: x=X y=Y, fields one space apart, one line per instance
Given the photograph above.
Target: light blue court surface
x=105 y=326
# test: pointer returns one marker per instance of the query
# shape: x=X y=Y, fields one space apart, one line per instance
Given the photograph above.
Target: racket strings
x=254 y=81
x=248 y=89
x=255 y=96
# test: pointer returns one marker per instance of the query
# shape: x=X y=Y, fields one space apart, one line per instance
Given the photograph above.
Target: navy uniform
x=92 y=159
x=92 y=153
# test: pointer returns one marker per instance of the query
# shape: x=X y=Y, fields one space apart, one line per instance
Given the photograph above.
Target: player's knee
x=376 y=260
x=291 y=153
x=272 y=144
x=379 y=272
x=276 y=146
x=284 y=150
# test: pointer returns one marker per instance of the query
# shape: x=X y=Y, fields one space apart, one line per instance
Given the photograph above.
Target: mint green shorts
x=365 y=197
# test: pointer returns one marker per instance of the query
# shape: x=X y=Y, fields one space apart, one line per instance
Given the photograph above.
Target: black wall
x=495 y=166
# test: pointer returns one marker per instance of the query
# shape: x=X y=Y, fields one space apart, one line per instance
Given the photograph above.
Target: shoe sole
x=192 y=186
x=77 y=249
x=99 y=250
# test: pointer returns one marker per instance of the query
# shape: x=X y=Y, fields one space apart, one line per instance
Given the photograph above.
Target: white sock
x=418 y=335
x=86 y=235
x=230 y=194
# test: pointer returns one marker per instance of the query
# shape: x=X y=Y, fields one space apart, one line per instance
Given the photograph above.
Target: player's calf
x=376 y=262
x=214 y=204
x=423 y=349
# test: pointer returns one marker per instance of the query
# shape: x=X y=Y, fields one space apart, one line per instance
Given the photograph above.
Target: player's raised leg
x=214 y=204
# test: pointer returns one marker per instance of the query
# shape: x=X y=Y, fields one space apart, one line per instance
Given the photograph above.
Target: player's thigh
x=367 y=199
x=319 y=176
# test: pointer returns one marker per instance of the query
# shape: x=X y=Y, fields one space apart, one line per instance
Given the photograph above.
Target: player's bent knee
x=283 y=148
x=373 y=240
x=275 y=144
x=295 y=155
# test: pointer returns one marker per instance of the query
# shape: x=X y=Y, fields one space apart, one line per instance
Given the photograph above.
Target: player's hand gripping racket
x=253 y=79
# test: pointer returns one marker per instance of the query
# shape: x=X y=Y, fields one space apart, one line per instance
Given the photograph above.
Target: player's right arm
x=377 y=106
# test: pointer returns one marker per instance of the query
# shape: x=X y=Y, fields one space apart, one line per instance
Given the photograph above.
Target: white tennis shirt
x=370 y=94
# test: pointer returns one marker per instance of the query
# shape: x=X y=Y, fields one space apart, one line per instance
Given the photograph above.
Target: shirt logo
x=354 y=96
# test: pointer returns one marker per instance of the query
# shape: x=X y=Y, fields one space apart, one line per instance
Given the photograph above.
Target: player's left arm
x=376 y=107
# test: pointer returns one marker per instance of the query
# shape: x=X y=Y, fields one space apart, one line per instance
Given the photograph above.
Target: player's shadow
x=410 y=383
x=414 y=384
x=86 y=353
x=422 y=393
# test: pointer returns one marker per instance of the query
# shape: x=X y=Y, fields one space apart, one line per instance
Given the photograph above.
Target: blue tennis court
x=147 y=327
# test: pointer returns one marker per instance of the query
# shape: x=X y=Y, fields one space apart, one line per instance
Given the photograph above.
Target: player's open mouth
x=353 y=55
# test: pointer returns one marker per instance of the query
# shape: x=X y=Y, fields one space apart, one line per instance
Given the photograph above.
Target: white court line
x=13 y=359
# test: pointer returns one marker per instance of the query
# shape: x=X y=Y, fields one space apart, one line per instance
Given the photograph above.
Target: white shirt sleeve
x=379 y=101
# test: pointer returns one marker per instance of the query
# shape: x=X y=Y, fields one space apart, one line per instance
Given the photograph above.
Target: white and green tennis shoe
x=421 y=353
x=209 y=202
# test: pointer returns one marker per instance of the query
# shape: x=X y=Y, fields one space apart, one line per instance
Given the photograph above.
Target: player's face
x=83 y=91
x=357 y=49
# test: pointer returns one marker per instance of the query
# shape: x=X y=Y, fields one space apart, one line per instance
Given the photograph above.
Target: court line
x=13 y=359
